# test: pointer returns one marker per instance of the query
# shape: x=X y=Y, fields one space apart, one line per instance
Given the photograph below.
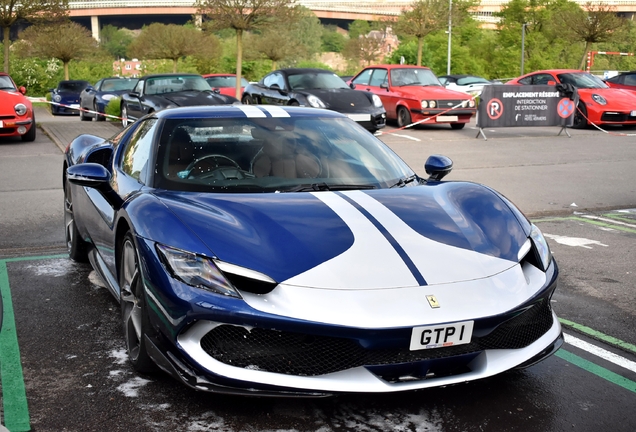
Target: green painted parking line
x=589 y=221
x=34 y=258
x=620 y=217
x=15 y=407
x=598 y=335
x=597 y=370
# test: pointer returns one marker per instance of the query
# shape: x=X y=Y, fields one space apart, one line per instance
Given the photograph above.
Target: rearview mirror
x=437 y=167
x=89 y=175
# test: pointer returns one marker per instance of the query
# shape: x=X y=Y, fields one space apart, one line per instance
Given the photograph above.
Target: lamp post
x=448 y=61
x=523 y=43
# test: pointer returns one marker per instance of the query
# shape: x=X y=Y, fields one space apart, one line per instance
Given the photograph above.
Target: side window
x=630 y=79
x=137 y=153
x=379 y=77
x=363 y=78
x=526 y=80
x=542 y=79
x=274 y=79
x=139 y=87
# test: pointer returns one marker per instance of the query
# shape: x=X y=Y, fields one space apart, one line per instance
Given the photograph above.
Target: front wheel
x=580 y=117
x=98 y=116
x=77 y=248
x=124 y=115
x=134 y=312
x=247 y=100
x=83 y=116
x=403 y=117
x=458 y=126
x=30 y=135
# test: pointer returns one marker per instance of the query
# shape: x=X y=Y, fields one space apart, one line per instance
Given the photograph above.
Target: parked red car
x=16 y=111
x=225 y=83
x=625 y=80
x=413 y=93
x=598 y=103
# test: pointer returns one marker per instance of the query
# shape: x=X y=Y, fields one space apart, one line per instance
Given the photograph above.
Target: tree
x=366 y=48
x=358 y=28
x=64 y=41
x=172 y=42
x=245 y=16
x=115 y=40
x=594 y=23
x=332 y=41
x=277 y=45
x=424 y=18
x=12 y=11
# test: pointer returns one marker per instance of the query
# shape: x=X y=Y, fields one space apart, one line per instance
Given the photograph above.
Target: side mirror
x=22 y=89
x=385 y=86
x=437 y=167
x=89 y=175
x=134 y=94
x=353 y=86
x=216 y=90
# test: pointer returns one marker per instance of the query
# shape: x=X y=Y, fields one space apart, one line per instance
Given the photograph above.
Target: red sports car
x=413 y=93
x=16 y=111
x=598 y=103
x=225 y=83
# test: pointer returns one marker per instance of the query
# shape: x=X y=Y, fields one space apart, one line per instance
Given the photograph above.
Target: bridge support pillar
x=95 y=27
x=198 y=21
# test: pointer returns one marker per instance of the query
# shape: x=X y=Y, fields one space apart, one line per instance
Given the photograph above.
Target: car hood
x=195 y=97
x=430 y=92
x=413 y=236
x=618 y=99
x=342 y=100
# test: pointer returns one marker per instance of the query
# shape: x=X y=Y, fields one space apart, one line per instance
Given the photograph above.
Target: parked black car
x=156 y=92
x=317 y=88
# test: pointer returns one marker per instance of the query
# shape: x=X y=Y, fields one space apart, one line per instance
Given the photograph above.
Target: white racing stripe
x=275 y=111
x=251 y=111
x=600 y=352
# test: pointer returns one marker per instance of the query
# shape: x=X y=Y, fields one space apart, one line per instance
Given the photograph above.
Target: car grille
x=308 y=355
x=7 y=117
x=450 y=103
x=616 y=117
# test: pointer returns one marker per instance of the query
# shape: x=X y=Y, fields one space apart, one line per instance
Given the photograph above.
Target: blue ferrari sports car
x=270 y=250
x=94 y=99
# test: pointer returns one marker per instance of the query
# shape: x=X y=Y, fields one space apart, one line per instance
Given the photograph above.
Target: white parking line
x=407 y=137
x=612 y=221
x=600 y=352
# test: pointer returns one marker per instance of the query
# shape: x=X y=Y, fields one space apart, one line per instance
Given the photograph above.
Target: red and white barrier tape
x=601 y=129
x=33 y=99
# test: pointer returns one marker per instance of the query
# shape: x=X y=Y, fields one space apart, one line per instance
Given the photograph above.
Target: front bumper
x=443 y=116
x=9 y=127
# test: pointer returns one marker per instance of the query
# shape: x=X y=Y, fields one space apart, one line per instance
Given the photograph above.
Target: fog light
x=22 y=130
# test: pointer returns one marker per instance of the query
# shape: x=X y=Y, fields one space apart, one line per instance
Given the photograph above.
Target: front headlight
x=432 y=104
x=599 y=99
x=424 y=104
x=20 y=109
x=57 y=97
x=377 y=102
x=108 y=97
x=197 y=271
x=541 y=246
x=315 y=102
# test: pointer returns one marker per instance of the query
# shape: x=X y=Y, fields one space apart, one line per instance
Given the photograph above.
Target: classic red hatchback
x=225 y=83
x=16 y=111
x=598 y=103
x=413 y=93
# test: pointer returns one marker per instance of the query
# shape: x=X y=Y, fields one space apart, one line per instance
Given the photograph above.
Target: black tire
x=31 y=134
x=98 y=117
x=403 y=117
x=579 y=120
x=83 y=116
x=247 y=100
x=294 y=103
x=124 y=115
x=458 y=126
x=134 y=312
x=77 y=248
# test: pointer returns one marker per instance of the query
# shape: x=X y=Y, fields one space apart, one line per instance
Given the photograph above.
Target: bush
x=113 y=108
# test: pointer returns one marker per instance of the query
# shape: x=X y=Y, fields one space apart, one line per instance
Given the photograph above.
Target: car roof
x=298 y=71
x=170 y=75
x=242 y=111
x=218 y=75
x=397 y=66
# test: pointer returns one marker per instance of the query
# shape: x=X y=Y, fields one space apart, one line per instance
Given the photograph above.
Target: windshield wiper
x=404 y=181
x=411 y=84
x=326 y=187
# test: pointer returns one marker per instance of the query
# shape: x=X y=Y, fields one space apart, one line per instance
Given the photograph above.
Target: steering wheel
x=215 y=165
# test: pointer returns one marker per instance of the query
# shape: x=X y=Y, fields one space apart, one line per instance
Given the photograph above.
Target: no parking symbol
x=565 y=108
x=494 y=109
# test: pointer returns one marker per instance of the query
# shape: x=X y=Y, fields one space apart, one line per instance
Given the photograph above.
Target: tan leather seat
x=280 y=157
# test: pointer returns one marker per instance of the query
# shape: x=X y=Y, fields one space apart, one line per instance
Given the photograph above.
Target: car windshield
x=280 y=154
x=119 y=84
x=413 y=77
x=6 y=83
x=225 y=81
x=72 y=86
x=315 y=80
x=175 y=83
x=582 y=80
x=472 y=80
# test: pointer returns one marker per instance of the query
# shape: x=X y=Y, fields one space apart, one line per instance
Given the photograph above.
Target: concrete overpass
x=369 y=10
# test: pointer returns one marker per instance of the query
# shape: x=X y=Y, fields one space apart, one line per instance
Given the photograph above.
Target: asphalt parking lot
x=63 y=362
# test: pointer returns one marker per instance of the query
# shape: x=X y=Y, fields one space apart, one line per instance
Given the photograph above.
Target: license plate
x=632 y=114
x=359 y=117
x=1 y=124
x=437 y=336
x=446 y=118
x=74 y=106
